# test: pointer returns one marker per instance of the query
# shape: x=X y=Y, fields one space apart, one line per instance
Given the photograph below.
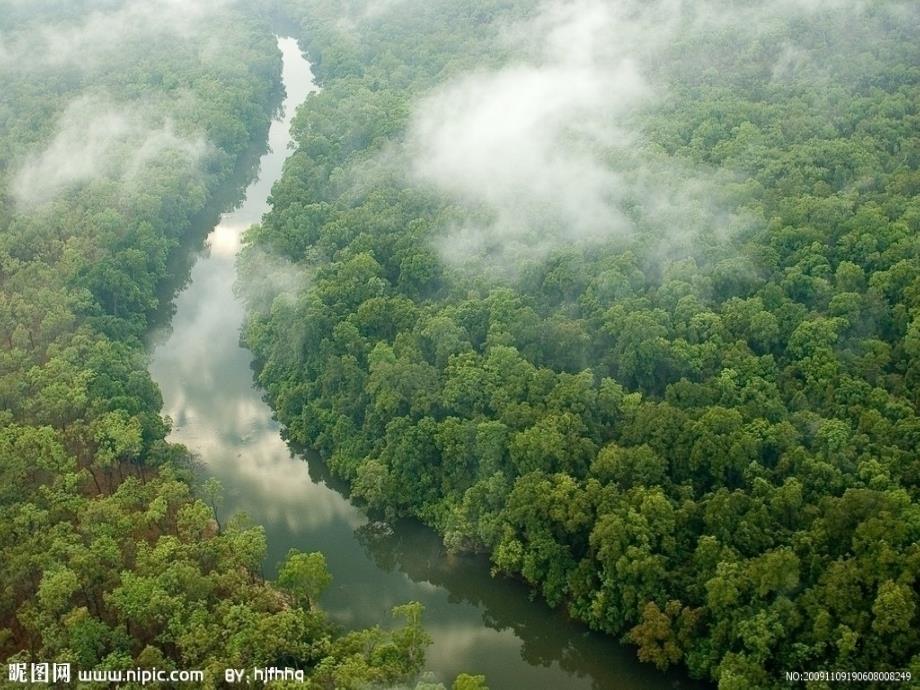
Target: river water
x=479 y=624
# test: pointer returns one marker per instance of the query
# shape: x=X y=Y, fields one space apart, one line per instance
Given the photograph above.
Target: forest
x=124 y=131
x=623 y=296
x=627 y=297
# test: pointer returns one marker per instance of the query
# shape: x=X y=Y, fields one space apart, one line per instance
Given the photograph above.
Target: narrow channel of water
x=479 y=624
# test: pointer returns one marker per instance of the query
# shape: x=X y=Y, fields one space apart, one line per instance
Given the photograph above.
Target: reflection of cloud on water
x=477 y=623
x=225 y=240
x=239 y=420
x=206 y=379
x=428 y=586
x=349 y=606
x=208 y=391
x=260 y=475
x=455 y=642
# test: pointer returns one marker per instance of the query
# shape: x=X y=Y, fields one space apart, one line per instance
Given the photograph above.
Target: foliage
x=713 y=455
x=107 y=557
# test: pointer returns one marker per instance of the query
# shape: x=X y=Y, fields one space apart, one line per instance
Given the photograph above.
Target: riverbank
x=477 y=624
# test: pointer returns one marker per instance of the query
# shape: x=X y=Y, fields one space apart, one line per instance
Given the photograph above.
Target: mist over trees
x=626 y=296
x=125 y=128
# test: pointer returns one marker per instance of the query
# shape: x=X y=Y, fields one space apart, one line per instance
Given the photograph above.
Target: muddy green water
x=479 y=624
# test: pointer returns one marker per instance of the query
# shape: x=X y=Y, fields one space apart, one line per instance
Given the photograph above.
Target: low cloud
x=541 y=147
x=98 y=139
x=376 y=8
x=104 y=32
x=549 y=150
x=524 y=142
x=264 y=278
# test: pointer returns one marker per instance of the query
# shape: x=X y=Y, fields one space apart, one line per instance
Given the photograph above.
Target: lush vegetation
x=113 y=160
x=711 y=453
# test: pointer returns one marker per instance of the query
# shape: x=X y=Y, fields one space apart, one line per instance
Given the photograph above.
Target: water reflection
x=557 y=652
x=478 y=624
x=206 y=378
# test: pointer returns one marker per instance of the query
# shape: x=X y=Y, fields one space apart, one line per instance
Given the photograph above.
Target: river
x=478 y=624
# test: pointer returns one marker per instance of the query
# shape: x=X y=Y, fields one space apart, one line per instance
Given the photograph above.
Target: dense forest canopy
x=627 y=296
x=125 y=126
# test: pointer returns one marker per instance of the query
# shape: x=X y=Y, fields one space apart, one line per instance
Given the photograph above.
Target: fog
x=96 y=138
x=90 y=134
x=265 y=278
x=376 y=8
x=57 y=43
x=527 y=142
x=549 y=150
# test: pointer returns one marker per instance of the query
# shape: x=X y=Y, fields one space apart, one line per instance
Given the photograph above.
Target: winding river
x=479 y=624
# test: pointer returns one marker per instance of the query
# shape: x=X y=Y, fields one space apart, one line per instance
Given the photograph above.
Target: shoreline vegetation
x=698 y=435
x=124 y=132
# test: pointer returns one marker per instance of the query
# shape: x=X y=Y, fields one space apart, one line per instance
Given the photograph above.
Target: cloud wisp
x=549 y=150
x=524 y=144
x=99 y=139
x=93 y=42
